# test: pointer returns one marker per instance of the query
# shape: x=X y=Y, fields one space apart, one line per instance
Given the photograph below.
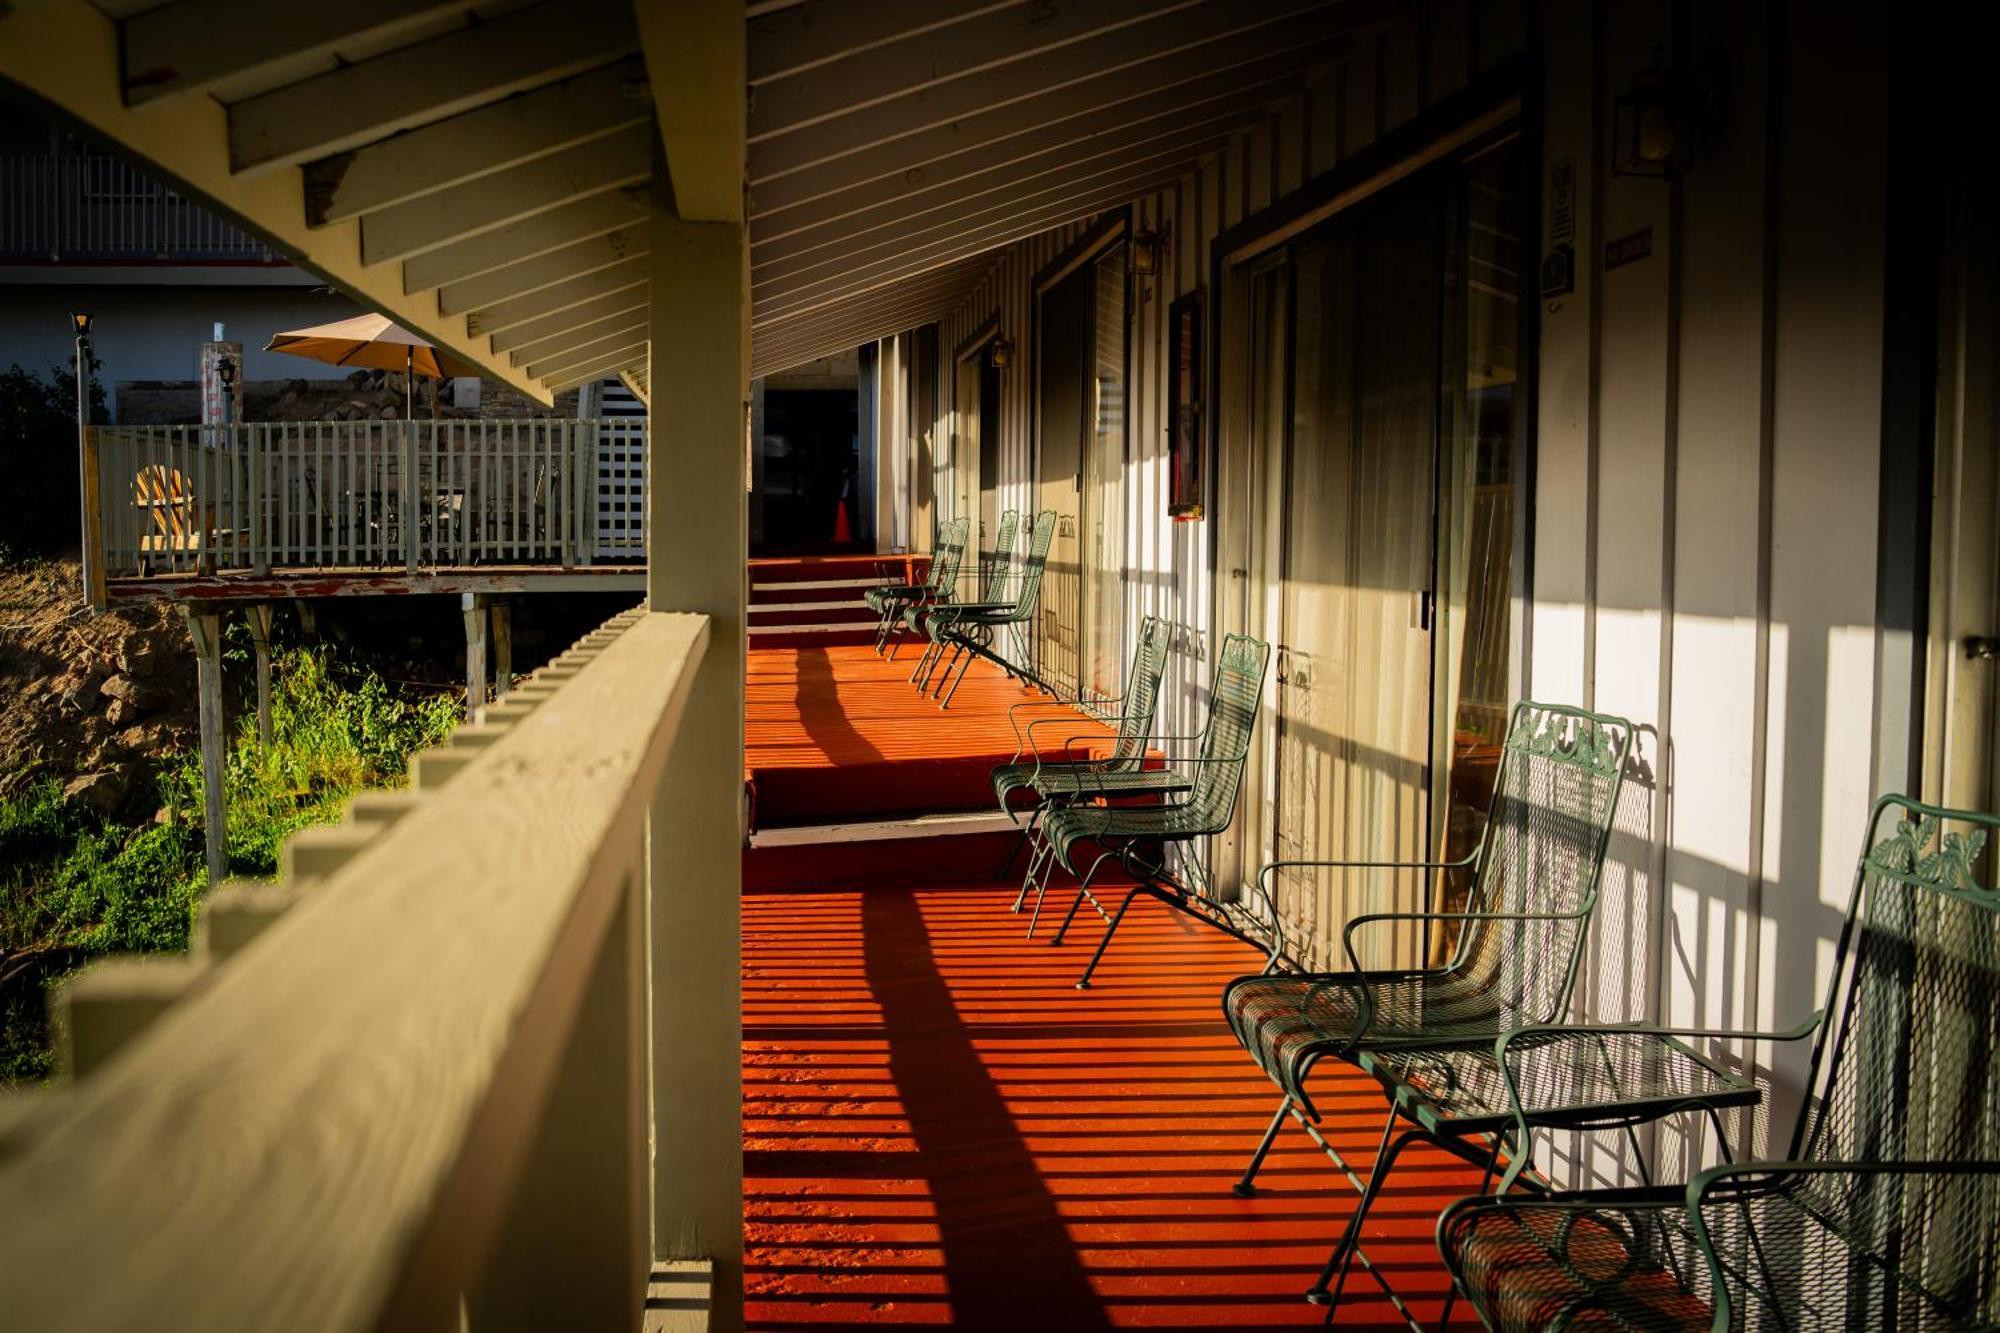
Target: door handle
x=1980 y=647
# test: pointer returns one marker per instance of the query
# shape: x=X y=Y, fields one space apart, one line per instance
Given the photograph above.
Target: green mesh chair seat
x=1534 y=889
x=1884 y=1212
x=1085 y=778
x=1288 y=1022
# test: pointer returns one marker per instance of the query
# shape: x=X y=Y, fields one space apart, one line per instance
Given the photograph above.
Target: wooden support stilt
x=503 y=648
x=205 y=628
x=474 y=605
x=260 y=640
x=308 y=622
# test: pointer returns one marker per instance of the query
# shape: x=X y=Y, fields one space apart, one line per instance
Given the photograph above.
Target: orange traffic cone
x=842 y=533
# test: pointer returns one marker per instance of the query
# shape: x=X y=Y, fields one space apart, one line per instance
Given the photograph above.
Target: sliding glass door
x=1375 y=375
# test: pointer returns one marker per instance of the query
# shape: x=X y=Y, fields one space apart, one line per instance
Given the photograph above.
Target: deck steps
x=821 y=600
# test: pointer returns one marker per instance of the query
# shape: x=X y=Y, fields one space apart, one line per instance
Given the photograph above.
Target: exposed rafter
x=414 y=85
x=517 y=243
x=195 y=46
x=503 y=315
x=490 y=202
x=552 y=269
x=426 y=161
x=543 y=349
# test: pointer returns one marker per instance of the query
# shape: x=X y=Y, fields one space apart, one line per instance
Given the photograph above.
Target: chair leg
x=1342 y=1258
x=1117 y=920
x=1485 y=1183
x=963 y=672
x=1247 y=1186
x=1082 y=892
x=1027 y=832
x=1032 y=882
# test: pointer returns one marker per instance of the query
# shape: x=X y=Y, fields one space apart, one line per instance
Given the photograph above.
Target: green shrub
x=73 y=885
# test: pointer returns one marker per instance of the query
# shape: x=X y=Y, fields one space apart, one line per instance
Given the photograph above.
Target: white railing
x=406 y=1086
x=84 y=206
x=265 y=496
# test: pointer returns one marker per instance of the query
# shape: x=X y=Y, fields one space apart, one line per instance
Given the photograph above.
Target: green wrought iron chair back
x=1906 y=1067
x=1542 y=852
x=1002 y=568
x=1234 y=695
x=1030 y=588
x=1142 y=693
x=950 y=553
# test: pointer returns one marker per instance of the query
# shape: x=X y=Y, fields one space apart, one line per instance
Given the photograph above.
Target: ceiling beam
x=949 y=284
x=597 y=370
x=492 y=201
x=1177 y=37
x=514 y=312
x=1004 y=227
x=862 y=326
x=545 y=270
x=1181 y=134
x=428 y=81
x=426 y=161
x=64 y=54
x=694 y=55
x=621 y=344
x=984 y=47
x=1271 y=79
x=819 y=32
x=575 y=317
x=192 y=46
x=1055 y=189
x=508 y=247
x=544 y=348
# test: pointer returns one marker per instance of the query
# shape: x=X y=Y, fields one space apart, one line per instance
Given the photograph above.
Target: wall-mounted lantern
x=1002 y=353
x=1145 y=253
x=1648 y=132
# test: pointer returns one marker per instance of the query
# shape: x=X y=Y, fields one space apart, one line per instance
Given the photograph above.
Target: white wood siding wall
x=1707 y=449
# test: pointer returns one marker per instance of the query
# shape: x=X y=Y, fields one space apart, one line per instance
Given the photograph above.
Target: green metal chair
x=1520 y=941
x=966 y=630
x=889 y=601
x=1136 y=836
x=1053 y=777
x=999 y=571
x=1884 y=1212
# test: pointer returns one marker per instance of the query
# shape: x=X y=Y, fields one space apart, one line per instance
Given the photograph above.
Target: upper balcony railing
x=83 y=207
x=271 y=496
x=406 y=1086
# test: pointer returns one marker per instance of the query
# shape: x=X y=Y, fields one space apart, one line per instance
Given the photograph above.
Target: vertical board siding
x=1706 y=437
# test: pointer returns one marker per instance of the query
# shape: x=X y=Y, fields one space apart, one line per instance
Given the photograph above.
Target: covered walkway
x=941 y=1132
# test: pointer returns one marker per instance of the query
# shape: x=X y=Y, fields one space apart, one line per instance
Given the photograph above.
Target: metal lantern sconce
x=1003 y=353
x=1145 y=252
x=1648 y=127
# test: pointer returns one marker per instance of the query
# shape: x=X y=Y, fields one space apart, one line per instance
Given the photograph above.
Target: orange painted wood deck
x=837 y=733
x=940 y=1132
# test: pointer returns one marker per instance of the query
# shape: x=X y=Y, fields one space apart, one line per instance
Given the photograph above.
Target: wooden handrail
x=328 y=1129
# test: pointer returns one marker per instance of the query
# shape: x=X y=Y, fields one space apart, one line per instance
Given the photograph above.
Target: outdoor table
x=1587 y=1079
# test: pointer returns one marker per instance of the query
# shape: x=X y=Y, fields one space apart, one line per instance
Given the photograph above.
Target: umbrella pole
x=409 y=371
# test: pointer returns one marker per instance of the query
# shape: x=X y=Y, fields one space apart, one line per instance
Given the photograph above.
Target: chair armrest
x=1376 y=918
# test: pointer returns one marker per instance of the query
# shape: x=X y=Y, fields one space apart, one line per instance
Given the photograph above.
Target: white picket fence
x=261 y=496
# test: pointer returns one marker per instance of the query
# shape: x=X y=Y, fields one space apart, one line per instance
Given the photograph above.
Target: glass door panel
x=1103 y=484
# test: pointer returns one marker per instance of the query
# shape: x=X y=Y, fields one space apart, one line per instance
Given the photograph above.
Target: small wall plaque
x=1628 y=249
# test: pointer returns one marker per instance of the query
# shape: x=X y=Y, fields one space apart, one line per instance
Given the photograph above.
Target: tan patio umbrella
x=373 y=342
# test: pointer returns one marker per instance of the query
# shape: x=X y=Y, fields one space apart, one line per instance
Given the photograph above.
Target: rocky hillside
x=90 y=700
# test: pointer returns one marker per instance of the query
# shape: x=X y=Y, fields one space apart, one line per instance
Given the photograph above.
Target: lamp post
x=88 y=562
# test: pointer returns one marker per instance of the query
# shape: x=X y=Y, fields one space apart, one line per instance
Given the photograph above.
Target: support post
x=503 y=648
x=474 y=607
x=260 y=640
x=697 y=532
x=308 y=619
x=205 y=628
